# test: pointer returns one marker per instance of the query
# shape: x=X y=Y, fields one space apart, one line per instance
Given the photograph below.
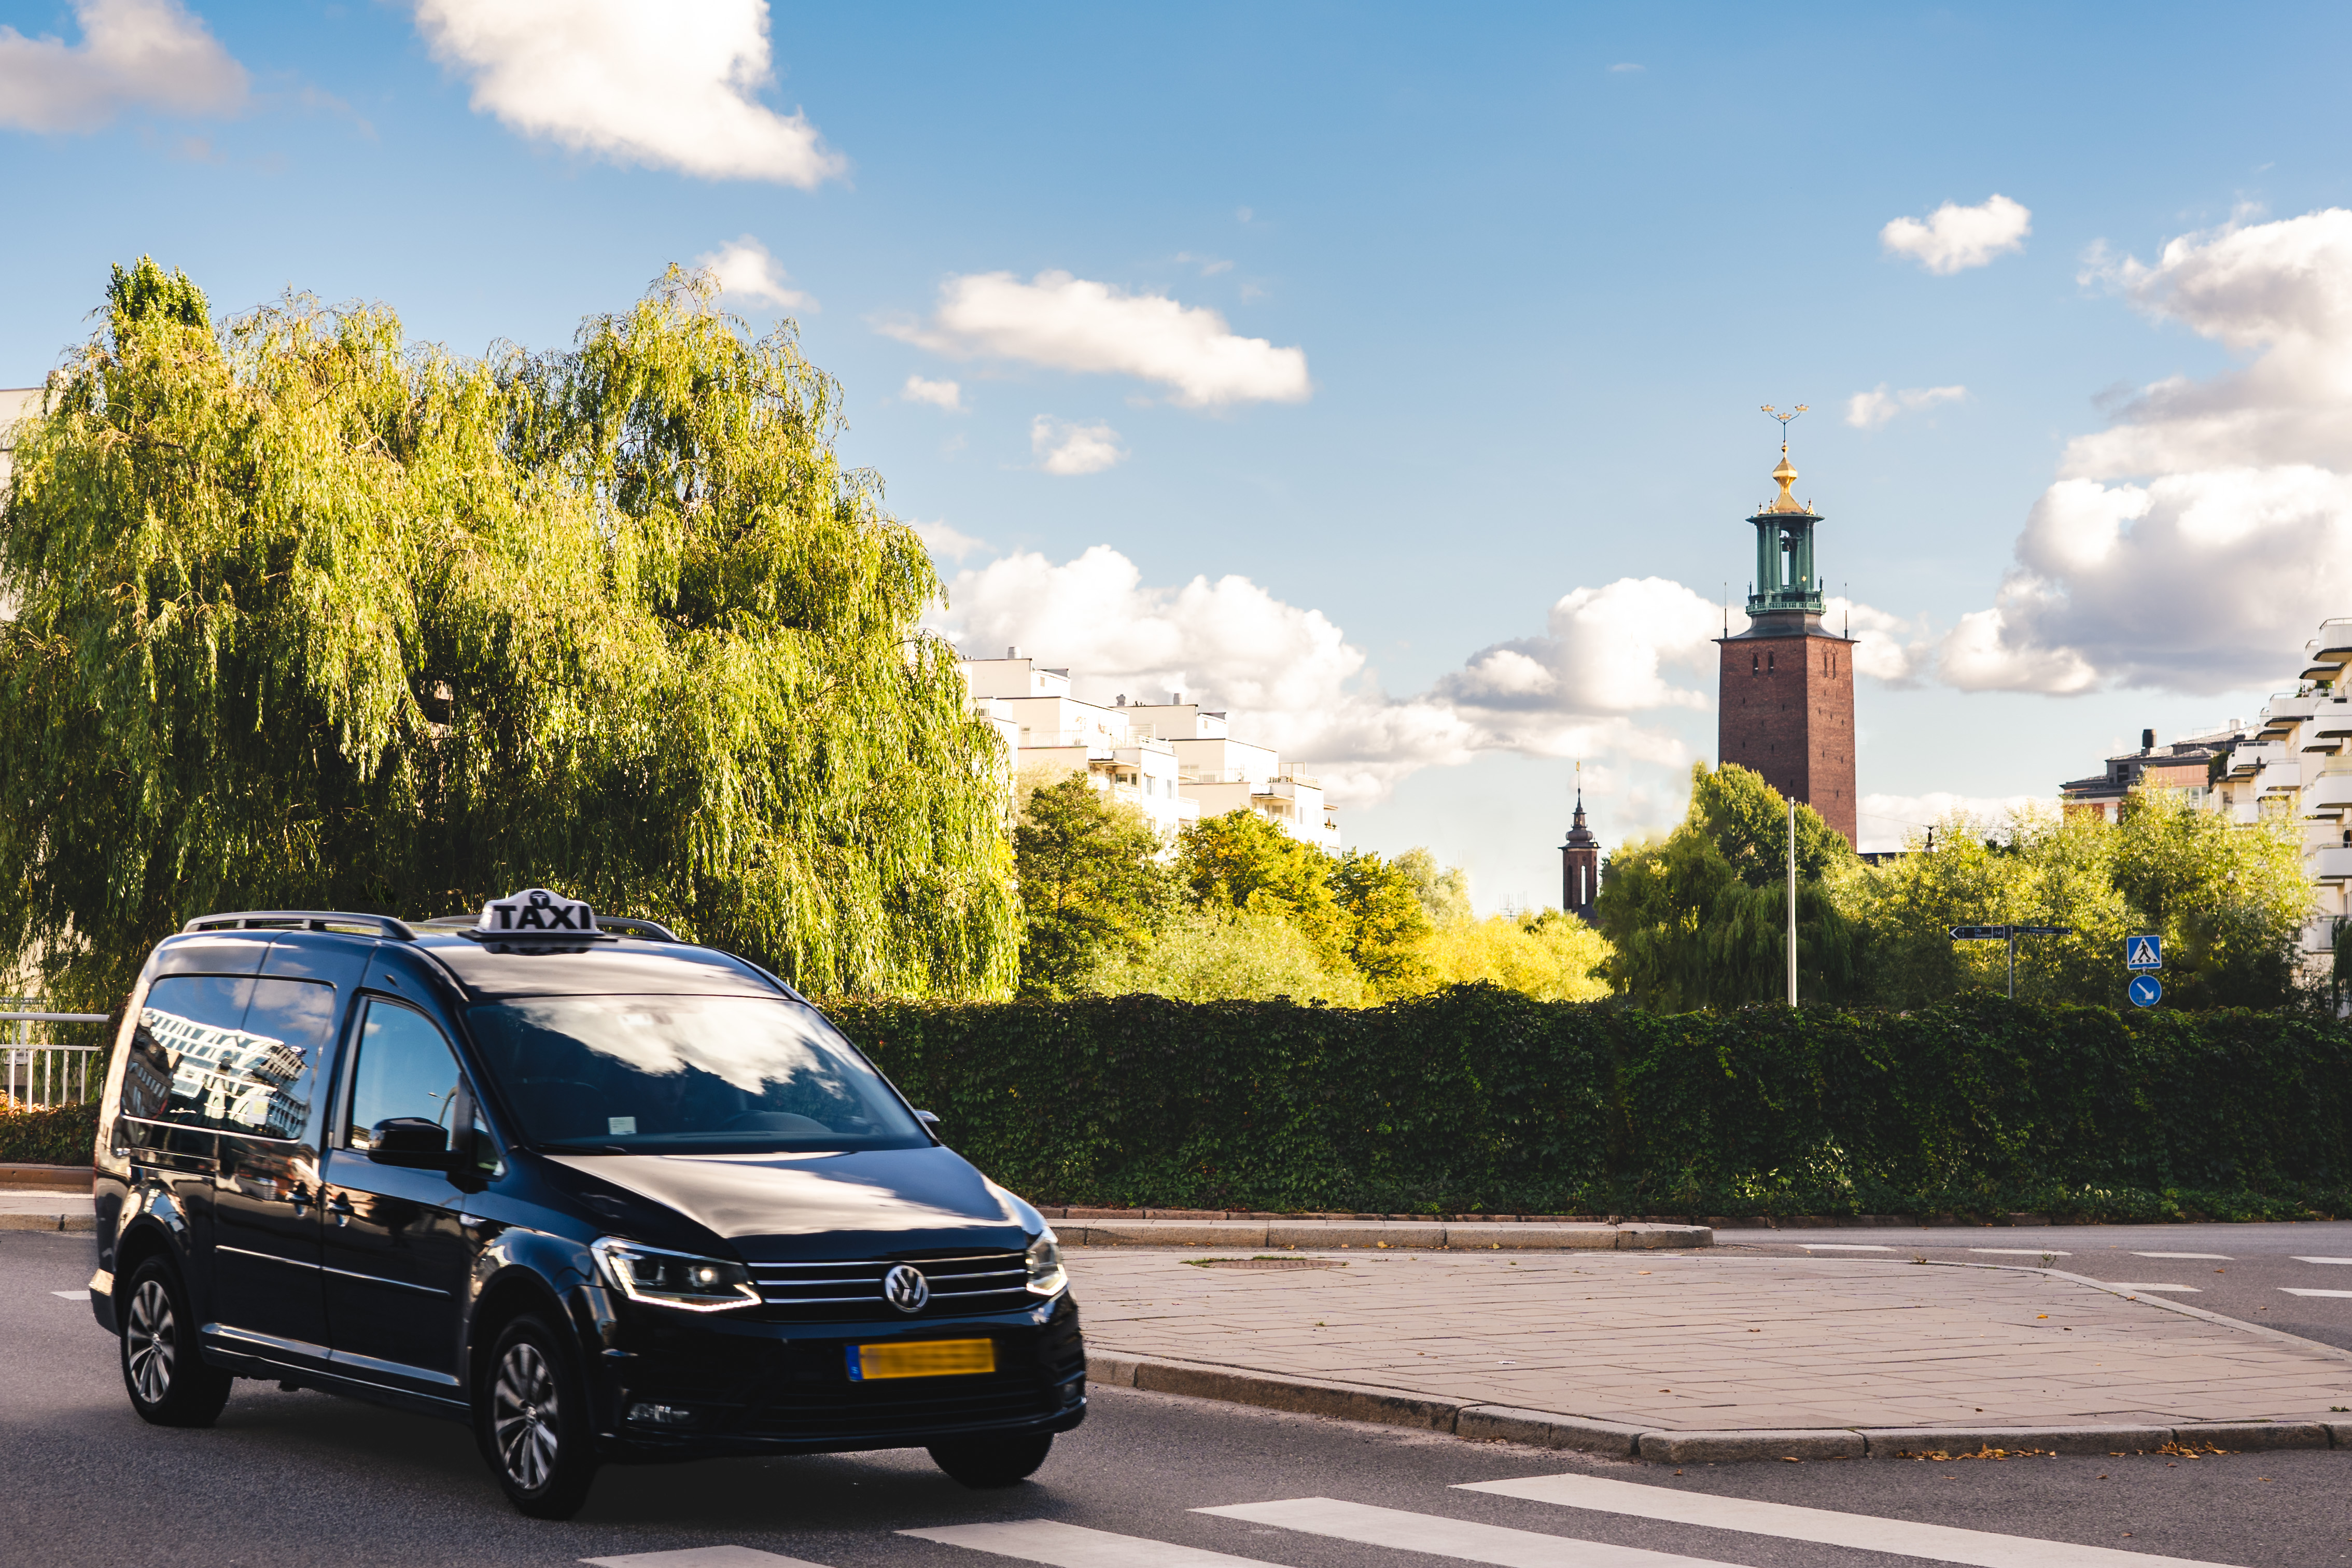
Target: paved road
x=2249 y=1271
x=298 y=1480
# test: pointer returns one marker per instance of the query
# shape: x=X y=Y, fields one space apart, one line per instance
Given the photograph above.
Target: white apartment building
x=2295 y=760
x=1172 y=761
x=16 y=402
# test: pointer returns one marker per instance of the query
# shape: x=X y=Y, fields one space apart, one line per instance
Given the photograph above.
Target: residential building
x=1174 y=761
x=16 y=402
x=2296 y=762
x=1786 y=685
x=2187 y=764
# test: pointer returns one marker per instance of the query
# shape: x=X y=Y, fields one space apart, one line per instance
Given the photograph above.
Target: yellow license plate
x=921 y=1358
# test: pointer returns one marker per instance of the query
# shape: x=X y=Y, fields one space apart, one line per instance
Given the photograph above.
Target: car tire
x=162 y=1370
x=984 y=1463
x=532 y=1420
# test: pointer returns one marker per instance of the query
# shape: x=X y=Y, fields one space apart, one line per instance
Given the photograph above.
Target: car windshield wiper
x=582 y=1148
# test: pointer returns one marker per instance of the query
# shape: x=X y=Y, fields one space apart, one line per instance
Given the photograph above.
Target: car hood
x=775 y=1208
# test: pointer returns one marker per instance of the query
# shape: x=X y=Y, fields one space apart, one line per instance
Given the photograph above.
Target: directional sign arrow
x=2146 y=990
x=2046 y=931
x=1979 y=933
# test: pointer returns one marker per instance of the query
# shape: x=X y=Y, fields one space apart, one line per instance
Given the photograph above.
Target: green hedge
x=65 y=1136
x=1479 y=1101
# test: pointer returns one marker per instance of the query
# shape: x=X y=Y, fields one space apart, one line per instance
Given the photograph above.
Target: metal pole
x=2013 y=965
x=1792 y=903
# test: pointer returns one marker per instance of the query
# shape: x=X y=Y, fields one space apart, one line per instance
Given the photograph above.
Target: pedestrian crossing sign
x=2144 y=953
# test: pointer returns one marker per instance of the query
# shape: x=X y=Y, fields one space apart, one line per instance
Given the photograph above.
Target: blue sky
x=1541 y=265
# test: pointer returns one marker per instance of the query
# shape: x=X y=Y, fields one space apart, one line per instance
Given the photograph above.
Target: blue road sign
x=2146 y=990
x=2144 y=953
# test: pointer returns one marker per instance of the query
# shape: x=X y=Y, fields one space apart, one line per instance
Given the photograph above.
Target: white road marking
x=2292 y=1291
x=2212 y=1257
x=1864 y=1533
x=1843 y=1247
x=1460 y=1538
x=1074 y=1546
x=2323 y=1259
x=2154 y=1289
x=70 y=1295
x=701 y=1557
x=2023 y=1251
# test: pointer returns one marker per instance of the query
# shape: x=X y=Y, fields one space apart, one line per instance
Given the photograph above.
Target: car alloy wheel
x=152 y=1346
x=524 y=1417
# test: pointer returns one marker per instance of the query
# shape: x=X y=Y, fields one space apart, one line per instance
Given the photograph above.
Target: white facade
x=1171 y=760
x=2296 y=762
x=16 y=402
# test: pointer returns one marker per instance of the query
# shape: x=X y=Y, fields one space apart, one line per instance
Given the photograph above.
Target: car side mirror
x=410 y=1141
x=928 y=1119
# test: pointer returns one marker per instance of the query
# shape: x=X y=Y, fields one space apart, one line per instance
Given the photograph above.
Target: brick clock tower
x=1787 y=689
x=1579 y=864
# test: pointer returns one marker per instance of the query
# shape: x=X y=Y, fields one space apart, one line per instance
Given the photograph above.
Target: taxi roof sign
x=535 y=911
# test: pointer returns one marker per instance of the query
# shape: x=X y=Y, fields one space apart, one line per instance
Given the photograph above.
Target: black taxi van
x=602 y=1193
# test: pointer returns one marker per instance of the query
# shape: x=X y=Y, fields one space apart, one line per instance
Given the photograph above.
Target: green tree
x=1385 y=920
x=2230 y=901
x=1091 y=882
x=310 y=615
x=1244 y=860
x=1213 y=954
x=1699 y=919
x=1444 y=895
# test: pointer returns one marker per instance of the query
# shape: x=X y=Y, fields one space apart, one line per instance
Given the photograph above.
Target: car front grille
x=916 y=1405
x=845 y=1292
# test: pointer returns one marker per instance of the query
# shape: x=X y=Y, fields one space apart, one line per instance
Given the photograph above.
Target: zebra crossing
x=1058 y=1545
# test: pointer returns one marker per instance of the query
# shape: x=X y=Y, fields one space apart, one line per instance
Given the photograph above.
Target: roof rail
x=302 y=920
x=623 y=924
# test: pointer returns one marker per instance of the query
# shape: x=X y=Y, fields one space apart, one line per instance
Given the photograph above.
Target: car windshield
x=686 y=1074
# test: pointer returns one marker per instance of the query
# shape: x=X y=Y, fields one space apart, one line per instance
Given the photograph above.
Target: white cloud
x=1070 y=323
x=1893 y=821
x=2207 y=573
x=944 y=395
x=133 y=53
x=1869 y=410
x=665 y=86
x=947 y=543
x=1067 y=449
x=1888 y=648
x=1614 y=677
x=1955 y=238
x=1626 y=68
x=746 y=271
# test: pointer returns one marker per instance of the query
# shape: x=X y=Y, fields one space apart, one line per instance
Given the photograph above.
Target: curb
x=1484 y=1236
x=1476 y=1421
x=72 y=1222
x=19 y=1177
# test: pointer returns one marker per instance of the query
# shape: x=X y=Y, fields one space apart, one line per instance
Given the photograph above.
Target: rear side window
x=228 y=1052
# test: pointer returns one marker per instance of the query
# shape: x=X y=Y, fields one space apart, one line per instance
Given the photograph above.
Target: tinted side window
x=228 y=1052
x=405 y=1068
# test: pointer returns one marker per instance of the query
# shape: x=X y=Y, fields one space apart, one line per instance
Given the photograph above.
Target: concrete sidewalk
x=1688 y=1357
x=35 y=1210
x=1377 y=1233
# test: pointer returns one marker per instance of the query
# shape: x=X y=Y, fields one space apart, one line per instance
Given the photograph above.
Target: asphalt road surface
x=2294 y=1277
x=305 y=1478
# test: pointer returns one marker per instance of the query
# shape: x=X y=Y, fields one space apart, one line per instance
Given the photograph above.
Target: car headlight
x=1047 y=1275
x=678 y=1279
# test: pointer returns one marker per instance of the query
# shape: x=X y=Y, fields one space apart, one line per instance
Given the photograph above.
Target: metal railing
x=39 y=1074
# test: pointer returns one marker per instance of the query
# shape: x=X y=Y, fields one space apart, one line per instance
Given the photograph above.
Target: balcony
x=2283 y=776
x=2331 y=721
x=2252 y=755
x=2328 y=865
x=2327 y=795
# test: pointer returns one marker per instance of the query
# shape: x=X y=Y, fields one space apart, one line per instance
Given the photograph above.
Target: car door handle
x=297 y=1197
x=340 y=1207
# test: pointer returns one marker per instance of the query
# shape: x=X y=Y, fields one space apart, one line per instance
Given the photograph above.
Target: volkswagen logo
x=906 y=1289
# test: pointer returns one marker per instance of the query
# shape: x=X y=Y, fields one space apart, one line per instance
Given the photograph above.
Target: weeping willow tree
x=1699 y=918
x=306 y=615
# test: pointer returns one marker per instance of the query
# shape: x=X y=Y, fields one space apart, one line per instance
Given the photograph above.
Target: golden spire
x=1786 y=473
